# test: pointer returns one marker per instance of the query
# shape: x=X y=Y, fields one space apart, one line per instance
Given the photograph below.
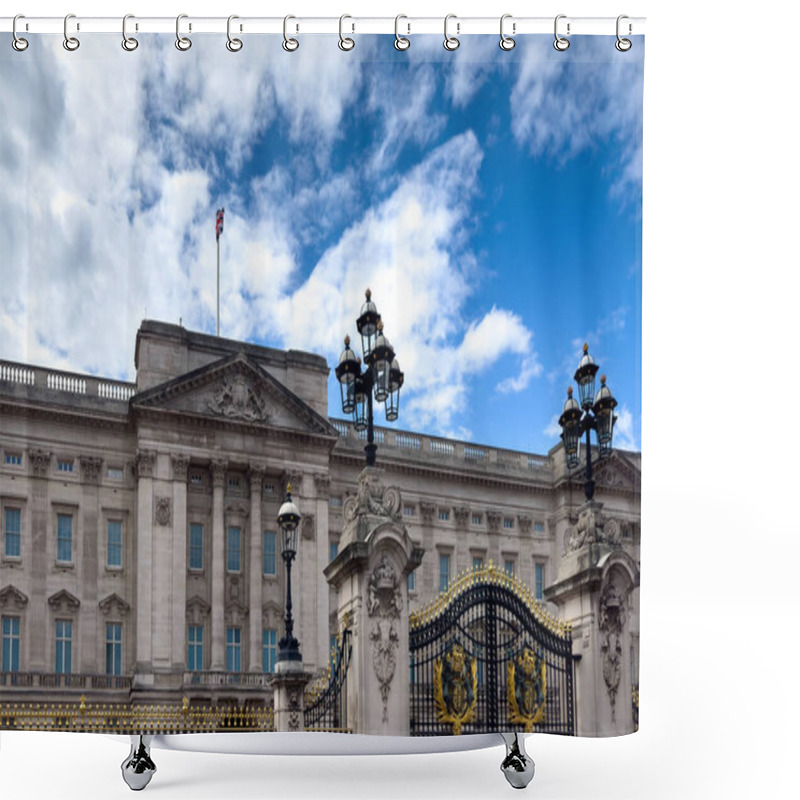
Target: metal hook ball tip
x=623 y=45
x=233 y=44
x=561 y=43
x=345 y=42
x=181 y=42
x=506 y=42
x=290 y=45
x=450 y=42
x=400 y=42
x=128 y=42
x=18 y=43
x=70 y=42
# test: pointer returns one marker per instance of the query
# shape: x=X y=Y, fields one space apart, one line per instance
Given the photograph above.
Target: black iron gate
x=486 y=657
x=326 y=700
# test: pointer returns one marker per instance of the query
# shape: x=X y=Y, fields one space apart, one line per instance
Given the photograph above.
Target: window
x=334 y=550
x=234 y=483
x=269 y=650
x=270 y=552
x=66 y=466
x=114 y=552
x=539 y=578
x=195 y=546
x=335 y=502
x=13 y=523
x=269 y=488
x=508 y=566
x=412 y=581
x=444 y=571
x=196 y=479
x=233 y=653
x=477 y=562
x=64 y=528
x=63 y=646
x=10 y=644
x=194 y=659
x=14 y=459
x=508 y=523
x=234 y=549
x=115 y=473
x=444 y=515
x=408 y=511
x=113 y=648
x=477 y=519
x=538 y=527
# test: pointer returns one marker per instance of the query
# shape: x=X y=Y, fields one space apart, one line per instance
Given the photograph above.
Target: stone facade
x=142 y=512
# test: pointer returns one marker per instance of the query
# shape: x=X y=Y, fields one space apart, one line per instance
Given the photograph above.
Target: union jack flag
x=220 y=218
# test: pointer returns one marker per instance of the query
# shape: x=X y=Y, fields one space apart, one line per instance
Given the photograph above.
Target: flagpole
x=217 y=286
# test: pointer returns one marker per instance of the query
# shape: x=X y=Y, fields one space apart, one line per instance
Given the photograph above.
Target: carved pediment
x=11 y=597
x=197 y=610
x=114 y=604
x=63 y=601
x=617 y=472
x=235 y=389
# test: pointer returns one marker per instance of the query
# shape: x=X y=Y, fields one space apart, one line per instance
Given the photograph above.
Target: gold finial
x=569 y=391
x=347 y=340
x=368 y=294
x=585 y=348
x=603 y=380
x=288 y=488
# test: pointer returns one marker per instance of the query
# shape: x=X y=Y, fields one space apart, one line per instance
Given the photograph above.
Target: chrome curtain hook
x=181 y=42
x=290 y=45
x=560 y=43
x=128 y=42
x=345 y=43
x=234 y=45
x=70 y=42
x=450 y=42
x=506 y=42
x=18 y=43
x=400 y=42
x=623 y=45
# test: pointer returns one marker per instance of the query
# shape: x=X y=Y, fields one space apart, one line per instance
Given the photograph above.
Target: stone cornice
x=95 y=418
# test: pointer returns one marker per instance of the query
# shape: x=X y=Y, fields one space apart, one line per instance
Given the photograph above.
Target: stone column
x=218 y=472
x=494 y=519
x=322 y=482
x=145 y=463
x=180 y=466
x=428 y=580
x=42 y=554
x=462 y=558
x=288 y=690
x=90 y=567
x=256 y=567
x=370 y=573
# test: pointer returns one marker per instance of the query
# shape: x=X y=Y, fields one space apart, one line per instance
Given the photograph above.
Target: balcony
x=212 y=680
x=76 y=681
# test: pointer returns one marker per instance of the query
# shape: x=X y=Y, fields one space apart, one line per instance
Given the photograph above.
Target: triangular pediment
x=619 y=471
x=63 y=601
x=11 y=597
x=114 y=604
x=235 y=389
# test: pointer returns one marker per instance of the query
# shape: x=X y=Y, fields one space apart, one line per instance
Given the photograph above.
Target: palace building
x=140 y=554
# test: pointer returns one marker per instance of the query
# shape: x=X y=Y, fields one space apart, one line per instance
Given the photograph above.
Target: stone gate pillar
x=593 y=591
x=370 y=574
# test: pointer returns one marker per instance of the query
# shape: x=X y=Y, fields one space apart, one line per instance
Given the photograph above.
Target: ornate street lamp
x=596 y=412
x=380 y=375
x=289 y=519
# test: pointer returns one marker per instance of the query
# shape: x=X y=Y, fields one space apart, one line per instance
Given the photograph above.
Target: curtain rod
x=457 y=26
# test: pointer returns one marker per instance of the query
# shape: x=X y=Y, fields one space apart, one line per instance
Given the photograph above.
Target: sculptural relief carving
x=373 y=498
x=308 y=526
x=90 y=468
x=145 y=463
x=494 y=518
x=384 y=605
x=525 y=522
x=163 y=511
x=611 y=620
x=40 y=462
x=323 y=484
x=180 y=466
x=427 y=510
x=461 y=514
x=236 y=398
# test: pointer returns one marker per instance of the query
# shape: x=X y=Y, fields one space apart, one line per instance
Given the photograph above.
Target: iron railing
x=326 y=699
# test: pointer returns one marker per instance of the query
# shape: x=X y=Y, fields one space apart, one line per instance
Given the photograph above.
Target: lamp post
x=380 y=376
x=289 y=519
x=595 y=412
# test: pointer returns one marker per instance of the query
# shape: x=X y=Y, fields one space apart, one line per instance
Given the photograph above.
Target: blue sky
x=490 y=199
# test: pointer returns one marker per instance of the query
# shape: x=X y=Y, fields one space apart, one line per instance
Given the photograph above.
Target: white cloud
x=624 y=433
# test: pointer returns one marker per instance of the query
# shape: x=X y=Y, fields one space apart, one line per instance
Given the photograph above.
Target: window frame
x=115 y=520
x=10 y=643
x=233 y=649
x=11 y=506
x=114 y=665
x=193 y=548
x=66 y=515
x=271 y=552
x=63 y=660
x=194 y=648
x=269 y=650
x=230 y=550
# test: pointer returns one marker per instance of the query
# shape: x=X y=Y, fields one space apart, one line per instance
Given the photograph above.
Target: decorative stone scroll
x=145 y=463
x=427 y=510
x=592 y=527
x=308 y=526
x=12 y=598
x=611 y=619
x=461 y=514
x=374 y=499
x=219 y=468
x=180 y=466
x=40 y=462
x=494 y=519
x=63 y=601
x=525 y=522
x=90 y=469
x=114 y=603
x=384 y=606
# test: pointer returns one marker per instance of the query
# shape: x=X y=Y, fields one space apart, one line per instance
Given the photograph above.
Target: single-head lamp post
x=289 y=520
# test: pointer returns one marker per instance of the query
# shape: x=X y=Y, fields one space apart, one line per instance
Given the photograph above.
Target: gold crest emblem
x=526 y=688
x=455 y=687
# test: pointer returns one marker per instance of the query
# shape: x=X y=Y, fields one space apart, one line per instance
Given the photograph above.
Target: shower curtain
x=189 y=234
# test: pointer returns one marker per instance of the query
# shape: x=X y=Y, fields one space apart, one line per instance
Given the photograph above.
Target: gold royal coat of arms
x=455 y=687
x=526 y=688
